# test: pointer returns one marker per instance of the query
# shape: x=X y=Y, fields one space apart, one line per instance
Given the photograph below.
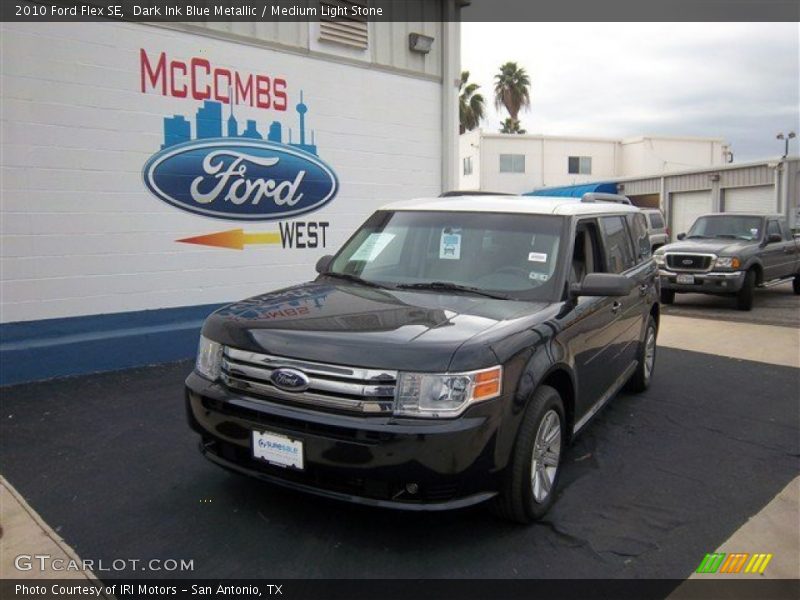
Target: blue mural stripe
x=35 y=350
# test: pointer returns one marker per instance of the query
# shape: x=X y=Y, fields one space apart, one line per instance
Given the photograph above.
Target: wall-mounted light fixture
x=418 y=42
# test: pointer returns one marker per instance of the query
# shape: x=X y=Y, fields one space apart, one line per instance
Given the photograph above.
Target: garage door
x=686 y=207
x=757 y=199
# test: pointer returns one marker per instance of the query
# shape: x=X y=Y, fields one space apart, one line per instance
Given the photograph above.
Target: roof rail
x=601 y=197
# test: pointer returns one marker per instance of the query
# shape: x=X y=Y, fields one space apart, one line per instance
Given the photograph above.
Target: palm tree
x=511 y=126
x=512 y=90
x=471 y=108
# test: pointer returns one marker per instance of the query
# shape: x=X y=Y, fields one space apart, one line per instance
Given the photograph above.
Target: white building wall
x=80 y=232
x=546 y=158
x=469 y=148
x=668 y=155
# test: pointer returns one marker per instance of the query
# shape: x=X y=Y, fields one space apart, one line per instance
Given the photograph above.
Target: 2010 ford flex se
x=445 y=356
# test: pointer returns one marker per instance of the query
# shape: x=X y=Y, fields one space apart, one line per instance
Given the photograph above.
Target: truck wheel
x=640 y=380
x=667 y=296
x=796 y=284
x=531 y=478
x=744 y=299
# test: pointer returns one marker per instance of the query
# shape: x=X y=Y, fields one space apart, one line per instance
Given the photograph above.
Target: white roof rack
x=601 y=197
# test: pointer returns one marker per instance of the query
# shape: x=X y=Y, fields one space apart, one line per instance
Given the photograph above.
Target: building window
x=351 y=31
x=579 y=165
x=468 y=165
x=512 y=163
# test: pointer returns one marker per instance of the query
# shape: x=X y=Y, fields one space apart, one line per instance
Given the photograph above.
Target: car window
x=656 y=220
x=512 y=254
x=641 y=239
x=785 y=229
x=772 y=227
x=619 y=252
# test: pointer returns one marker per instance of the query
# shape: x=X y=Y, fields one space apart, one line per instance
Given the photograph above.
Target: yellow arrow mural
x=234 y=238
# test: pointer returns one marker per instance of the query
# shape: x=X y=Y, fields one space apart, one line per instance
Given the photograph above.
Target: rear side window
x=656 y=220
x=641 y=239
x=619 y=252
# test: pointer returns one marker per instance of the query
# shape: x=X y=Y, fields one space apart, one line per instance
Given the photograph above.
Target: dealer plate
x=685 y=279
x=278 y=449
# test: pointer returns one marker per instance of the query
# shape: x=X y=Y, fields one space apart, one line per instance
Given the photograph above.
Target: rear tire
x=796 y=284
x=531 y=478
x=744 y=299
x=640 y=380
x=667 y=296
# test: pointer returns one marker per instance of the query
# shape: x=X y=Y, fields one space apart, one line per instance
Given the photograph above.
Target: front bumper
x=713 y=282
x=369 y=460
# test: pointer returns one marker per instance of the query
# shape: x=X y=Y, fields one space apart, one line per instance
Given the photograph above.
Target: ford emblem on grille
x=687 y=261
x=290 y=380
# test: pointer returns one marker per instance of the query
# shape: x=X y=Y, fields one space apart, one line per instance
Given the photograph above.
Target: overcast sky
x=739 y=81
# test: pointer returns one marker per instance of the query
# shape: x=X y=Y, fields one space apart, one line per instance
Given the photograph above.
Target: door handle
x=643 y=289
x=615 y=306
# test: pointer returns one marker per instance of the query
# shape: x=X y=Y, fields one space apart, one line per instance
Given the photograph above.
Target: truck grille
x=330 y=387
x=690 y=262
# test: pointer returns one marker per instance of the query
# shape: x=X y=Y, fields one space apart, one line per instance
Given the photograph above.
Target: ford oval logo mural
x=242 y=180
x=242 y=176
x=290 y=380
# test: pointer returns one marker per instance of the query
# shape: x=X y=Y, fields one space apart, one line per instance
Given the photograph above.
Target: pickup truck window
x=741 y=227
x=619 y=253
x=517 y=255
x=773 y=227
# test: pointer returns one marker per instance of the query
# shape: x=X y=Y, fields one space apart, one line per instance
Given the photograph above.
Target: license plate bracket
x=685 y=279
x=277 y=449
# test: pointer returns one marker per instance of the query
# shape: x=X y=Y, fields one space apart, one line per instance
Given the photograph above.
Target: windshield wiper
x=450 y=287
x=353 y=278
x=727 y=236
x=689 y=237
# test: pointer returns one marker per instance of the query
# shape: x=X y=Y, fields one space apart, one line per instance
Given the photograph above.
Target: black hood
x=718 y=246
x=340 y=322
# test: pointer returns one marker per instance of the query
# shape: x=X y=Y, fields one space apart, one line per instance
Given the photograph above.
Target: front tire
x=744 y=299
x=531 y=479
x=667 y=296
x=640 y=380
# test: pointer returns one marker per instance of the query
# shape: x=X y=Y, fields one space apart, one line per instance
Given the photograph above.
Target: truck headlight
x=209 y=359
x=728 y=262
x=660 y=259
x=445 y=394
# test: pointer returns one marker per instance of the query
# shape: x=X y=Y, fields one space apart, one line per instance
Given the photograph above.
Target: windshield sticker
x=536 y=276
x=450 y=244
x=754 y=232
x=537 y=257
x=372 y=246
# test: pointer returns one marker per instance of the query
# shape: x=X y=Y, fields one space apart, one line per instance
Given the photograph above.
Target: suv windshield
x=727 y=226
x=513 y=255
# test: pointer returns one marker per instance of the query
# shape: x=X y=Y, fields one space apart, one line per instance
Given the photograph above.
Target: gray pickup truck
x=730 y=254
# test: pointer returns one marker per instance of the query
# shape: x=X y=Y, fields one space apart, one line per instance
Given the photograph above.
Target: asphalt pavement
x=654 y=483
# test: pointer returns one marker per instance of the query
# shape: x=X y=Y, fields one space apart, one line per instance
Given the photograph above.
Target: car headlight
x=445 y=394
x=209 y=359
x=661 y=260
x=728 y=262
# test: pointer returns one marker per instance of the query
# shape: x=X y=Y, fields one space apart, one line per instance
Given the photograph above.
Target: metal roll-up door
x=759 y=199
x=686 y=207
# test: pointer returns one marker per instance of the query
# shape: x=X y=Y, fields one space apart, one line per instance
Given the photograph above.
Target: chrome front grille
x=690 y=262
x=334 y=387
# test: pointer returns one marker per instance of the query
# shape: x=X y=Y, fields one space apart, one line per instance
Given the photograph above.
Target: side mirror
x=323 y=263
x=681 y=236
x=773 y=238
x=602 y=284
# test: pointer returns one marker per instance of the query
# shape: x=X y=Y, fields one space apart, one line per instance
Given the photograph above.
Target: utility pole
x=786 y=138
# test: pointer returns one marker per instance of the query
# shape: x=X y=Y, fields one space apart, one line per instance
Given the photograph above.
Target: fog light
x=412 y=488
